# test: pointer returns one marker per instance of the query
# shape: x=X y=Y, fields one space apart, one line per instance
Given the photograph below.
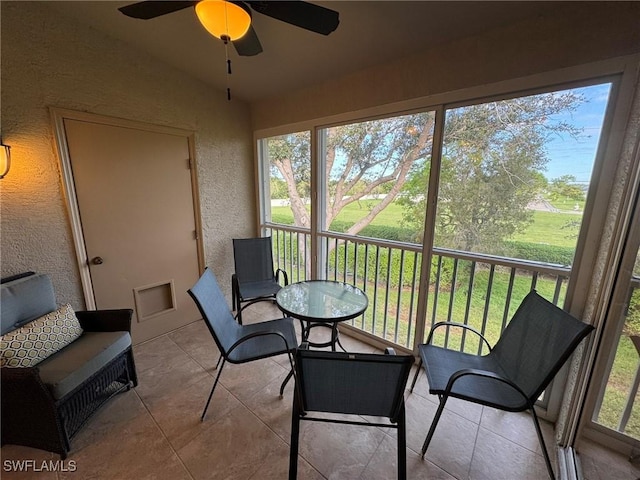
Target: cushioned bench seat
x=65 y=371
x=58 y=366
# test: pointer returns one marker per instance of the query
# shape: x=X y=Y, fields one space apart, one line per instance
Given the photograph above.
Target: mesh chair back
x=352 y=383
x=214 y=310
x=537 y=342
x=253 y=259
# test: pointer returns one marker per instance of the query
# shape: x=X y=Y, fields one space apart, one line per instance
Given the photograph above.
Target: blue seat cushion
x=24 y=300
x=64 y=371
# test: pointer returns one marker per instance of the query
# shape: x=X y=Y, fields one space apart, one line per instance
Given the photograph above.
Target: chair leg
x=293 y=450
x=239 y=310
x=402 y=445
x=284 y=384
x=415 y=377
x=542 y=444
x=212 y=389
x=219 y=360
x=432 y=429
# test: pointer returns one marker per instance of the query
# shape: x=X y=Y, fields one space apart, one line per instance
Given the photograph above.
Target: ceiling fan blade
x=153 y=9
x=301 y=14
x=249 y=45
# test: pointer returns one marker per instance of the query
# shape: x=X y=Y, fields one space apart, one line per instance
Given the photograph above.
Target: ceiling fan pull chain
x=225 y=39
x=228 y=73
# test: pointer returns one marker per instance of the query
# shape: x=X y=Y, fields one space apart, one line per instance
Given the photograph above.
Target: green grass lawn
x=549 y=228
x=391 y=216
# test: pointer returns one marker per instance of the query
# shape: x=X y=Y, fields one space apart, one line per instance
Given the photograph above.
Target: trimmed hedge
x=540 y=253
x=513 y=249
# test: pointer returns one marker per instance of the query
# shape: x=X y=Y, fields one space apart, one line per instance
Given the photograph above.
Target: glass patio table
x=322 y=303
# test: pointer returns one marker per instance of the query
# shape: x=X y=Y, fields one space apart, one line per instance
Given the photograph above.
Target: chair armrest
x=20 y=375
x=25 y=399
x=456 y=324
x=235 y=296
x=284 y=274
x=105 y=320
x=261 y=333
x=487 y=374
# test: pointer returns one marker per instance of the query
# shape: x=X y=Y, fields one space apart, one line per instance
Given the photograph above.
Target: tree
x=289 y=156
x=373 y=157
x=490 y=167
x=492 y=157
x=278 y=188
x=565 y=186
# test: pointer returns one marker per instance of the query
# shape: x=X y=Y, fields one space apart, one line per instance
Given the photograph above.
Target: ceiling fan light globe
x=223 y=19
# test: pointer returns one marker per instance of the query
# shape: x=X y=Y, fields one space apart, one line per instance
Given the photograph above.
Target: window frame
x=621 y=72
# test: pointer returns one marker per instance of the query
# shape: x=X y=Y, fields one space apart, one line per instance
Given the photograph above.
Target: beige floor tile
x=260 y=312
x=496 y=458
x=453 y=442
x=196 y=341
x=273 y=410
x=233 y=447
x=246 y=379
x=469 y=410
x=178 y=415
x=384 y=465
x=276 y=467
x=169 y=376
x=154 y=352
x=338 y=451
x=125 y=450
x=519 y=428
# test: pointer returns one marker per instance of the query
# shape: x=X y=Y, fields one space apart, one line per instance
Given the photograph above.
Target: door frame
x=58 y=116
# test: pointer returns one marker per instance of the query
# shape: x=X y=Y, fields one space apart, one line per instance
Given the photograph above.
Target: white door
x=136 y=206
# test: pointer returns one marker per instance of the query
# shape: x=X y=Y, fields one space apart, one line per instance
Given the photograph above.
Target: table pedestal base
x=335 y=337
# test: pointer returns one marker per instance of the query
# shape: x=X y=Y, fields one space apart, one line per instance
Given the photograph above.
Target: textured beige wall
x=578 y=34
x=48 y=60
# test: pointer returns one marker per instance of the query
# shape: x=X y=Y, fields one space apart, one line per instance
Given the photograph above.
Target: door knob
x=97 y=260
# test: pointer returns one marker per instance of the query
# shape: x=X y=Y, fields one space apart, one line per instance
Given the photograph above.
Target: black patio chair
x=240 y=343
x=255 y=279
x=537 y=342
x=350 y=383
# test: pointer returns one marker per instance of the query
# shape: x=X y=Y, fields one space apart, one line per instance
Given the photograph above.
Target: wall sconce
x=5 y=159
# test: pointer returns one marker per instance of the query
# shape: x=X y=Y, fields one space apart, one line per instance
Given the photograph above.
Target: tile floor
x=154 y=431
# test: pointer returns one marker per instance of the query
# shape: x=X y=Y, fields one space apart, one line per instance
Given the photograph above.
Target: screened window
x=286 y=162
x=370 y=168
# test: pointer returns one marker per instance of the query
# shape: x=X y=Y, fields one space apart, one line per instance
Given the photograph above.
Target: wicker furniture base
x=45 y=404
x=32 y=417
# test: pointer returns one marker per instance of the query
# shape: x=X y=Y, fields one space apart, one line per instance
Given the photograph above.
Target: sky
x=569 y=156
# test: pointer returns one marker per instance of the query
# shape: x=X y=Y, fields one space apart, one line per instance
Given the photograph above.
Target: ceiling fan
x=221 y=17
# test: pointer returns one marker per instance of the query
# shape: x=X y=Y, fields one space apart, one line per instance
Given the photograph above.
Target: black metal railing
x=478 y=290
